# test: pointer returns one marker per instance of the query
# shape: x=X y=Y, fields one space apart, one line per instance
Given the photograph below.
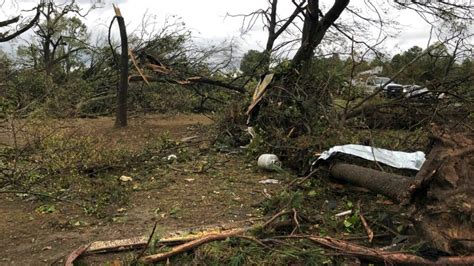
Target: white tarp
x=397 y=159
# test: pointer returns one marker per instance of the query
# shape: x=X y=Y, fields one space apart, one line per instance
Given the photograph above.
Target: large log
x=391 y=185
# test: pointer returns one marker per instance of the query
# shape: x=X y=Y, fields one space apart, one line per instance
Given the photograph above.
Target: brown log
x=393 y=186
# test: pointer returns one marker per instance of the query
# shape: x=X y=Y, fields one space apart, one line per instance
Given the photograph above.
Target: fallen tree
x=439 y=198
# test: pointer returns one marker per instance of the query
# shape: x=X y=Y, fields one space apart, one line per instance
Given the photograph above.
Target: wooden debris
x=75 y=254
x=192 y=245
x=158 y=68
x=132 y=57
x=117 y=245
x=172 y=238
x=260 y=92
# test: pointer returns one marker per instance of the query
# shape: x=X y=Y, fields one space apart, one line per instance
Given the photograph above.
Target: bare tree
x=53 y=34
x=275 y=25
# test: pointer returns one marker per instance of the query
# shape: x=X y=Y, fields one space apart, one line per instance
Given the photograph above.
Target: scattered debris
x=193 y=240
x=125 y=178
x=269 y=181
x=260 y=91
x=171 y=157
x=188 y=139
x=344 y=213
x=266 y=194
x=172 y=238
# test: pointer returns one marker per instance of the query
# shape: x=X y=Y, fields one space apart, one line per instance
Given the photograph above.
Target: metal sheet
x=397 y=159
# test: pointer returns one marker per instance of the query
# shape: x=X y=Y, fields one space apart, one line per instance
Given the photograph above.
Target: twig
x=299 y=181
x=276 y=216
x=40 y=195
x=387 y=228
x=148 y=242
x=369 y=231
x=297 y=223
x=365 y=237
x=253 y=239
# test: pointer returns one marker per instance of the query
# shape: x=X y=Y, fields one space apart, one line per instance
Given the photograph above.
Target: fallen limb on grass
x=372 y=254
x=192 y=245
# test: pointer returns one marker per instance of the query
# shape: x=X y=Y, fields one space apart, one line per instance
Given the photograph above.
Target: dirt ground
x=176 y=197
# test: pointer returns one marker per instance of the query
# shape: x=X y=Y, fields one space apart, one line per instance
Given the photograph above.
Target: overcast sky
x=207 y=19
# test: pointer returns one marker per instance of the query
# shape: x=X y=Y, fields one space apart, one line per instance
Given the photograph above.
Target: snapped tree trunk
x=122 y=90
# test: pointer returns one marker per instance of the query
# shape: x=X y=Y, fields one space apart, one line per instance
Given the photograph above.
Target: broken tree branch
x=189 y=81
x=191 y=245
x=351 y=249
x=5 y=38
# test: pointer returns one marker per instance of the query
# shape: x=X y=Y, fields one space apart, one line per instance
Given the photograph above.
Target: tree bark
x=122 y=90
x=390 y=185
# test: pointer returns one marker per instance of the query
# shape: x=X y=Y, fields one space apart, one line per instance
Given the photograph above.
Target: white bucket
x=269 y=162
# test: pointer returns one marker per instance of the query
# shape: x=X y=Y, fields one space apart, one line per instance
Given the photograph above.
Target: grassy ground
x=200 y=187
x=82 y=180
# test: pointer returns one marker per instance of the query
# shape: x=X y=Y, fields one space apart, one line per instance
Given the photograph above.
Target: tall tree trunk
x=47 y=61
x=122 y=90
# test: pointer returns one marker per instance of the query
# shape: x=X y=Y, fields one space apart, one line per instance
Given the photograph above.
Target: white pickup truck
x=390 y=90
